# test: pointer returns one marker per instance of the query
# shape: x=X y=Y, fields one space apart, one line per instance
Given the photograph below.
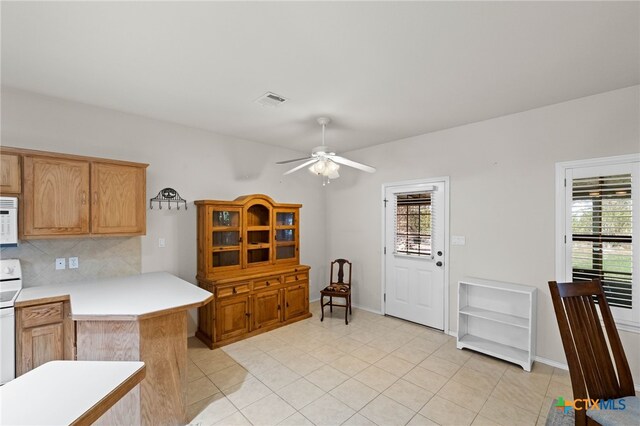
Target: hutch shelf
x=498 y=319
x=248 y=257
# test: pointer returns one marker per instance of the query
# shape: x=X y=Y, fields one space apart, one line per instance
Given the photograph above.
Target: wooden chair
x=597 y=370
x=338 y=288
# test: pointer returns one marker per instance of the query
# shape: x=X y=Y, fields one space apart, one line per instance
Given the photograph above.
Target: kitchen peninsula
x=137 y=318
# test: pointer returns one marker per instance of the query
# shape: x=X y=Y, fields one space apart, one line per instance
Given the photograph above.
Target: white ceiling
x=382 y=70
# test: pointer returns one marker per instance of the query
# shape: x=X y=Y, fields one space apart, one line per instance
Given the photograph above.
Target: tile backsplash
x=97 y=258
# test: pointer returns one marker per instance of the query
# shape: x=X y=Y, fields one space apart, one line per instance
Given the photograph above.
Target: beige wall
x=502 y=197
x=198 y=164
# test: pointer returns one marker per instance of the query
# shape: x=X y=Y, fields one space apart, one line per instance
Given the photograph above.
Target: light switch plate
x=161 y=242
x=457 y=240
x=73 y=263
x=61 y=263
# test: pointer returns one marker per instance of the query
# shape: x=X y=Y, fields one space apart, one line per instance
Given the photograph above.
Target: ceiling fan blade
x=354 y=164
x=301 y=166
x=293 y=161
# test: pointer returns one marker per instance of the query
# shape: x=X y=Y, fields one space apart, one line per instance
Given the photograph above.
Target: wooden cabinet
x=10 y=176
x=69 y=196
x=251 y=232
x=44 y=333
x=248 y=257
x=119 y=205
x=267 y=308
x=234 y=316
x=296 y=300
x=56 y=196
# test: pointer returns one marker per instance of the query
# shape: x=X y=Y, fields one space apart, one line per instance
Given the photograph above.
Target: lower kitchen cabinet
x=250 y=304
x=44 y=332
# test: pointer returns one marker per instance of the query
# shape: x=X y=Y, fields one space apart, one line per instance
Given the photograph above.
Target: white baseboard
x=551 y=362
x=364 y=308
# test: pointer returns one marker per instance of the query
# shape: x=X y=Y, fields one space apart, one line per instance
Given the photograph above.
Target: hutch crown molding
x=248 y=257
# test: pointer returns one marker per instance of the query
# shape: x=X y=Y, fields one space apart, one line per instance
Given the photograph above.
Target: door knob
x=438 y=263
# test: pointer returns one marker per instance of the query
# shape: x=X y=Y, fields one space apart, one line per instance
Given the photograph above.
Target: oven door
x=7 y=345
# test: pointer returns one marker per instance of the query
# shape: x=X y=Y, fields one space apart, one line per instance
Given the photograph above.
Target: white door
x=414 y=253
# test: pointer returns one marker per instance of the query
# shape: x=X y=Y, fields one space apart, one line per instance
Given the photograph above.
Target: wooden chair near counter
x=338 y=288
x=597 y=363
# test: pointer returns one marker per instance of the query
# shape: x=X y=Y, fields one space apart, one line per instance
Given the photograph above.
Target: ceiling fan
x=324 y=161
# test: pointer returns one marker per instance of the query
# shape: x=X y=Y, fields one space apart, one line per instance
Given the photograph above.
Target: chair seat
x=616 y=414
x=337 y=288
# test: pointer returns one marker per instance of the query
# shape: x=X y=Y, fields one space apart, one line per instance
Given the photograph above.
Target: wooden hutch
x=249 y=258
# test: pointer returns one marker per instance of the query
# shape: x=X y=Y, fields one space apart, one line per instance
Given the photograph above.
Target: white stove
x=10 y=286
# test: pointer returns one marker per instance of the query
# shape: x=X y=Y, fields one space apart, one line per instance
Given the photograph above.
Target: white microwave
x=8 y=221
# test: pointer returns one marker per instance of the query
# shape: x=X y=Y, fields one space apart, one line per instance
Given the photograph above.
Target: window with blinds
x=601 y=222
x=414 y=224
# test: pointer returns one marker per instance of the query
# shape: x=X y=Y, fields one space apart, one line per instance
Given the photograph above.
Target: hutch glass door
x=286 y=235
x=225 y=238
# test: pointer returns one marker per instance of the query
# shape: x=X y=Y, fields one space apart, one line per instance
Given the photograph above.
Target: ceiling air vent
x=271 y=100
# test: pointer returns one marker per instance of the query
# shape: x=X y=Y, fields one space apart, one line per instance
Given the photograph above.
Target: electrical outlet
x=161 y=242
x=73 y=263
x=61 y=263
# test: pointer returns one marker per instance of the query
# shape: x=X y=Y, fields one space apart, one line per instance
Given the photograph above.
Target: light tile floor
x=375 y=371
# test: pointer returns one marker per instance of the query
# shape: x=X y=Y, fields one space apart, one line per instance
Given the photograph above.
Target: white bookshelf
x=497 y=319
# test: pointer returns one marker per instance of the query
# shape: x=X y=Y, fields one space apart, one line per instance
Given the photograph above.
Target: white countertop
x=60 y=392
x=127 y=298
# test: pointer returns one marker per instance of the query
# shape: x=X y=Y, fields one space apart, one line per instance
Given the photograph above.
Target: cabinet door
x=40 y=345
x=223 y=242
x=266 y=308
x=296 y=300
x=286 y=236
x=232 y=317
x=56 y=196
x=119 y=199
x=257 y=234
x=10 y=179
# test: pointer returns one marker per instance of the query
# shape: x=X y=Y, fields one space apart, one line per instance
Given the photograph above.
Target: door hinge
x=565 y=239
x=565 y=182
x=385 y=250
x=385 y=297
x=385 y=202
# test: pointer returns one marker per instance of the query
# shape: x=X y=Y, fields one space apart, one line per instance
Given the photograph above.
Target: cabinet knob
x=234 y=291
x=287 y=304
x=248 y=314
x=268 y=283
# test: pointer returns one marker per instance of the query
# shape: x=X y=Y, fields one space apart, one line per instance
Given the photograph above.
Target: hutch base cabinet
x=248 y=257
x=498 y=319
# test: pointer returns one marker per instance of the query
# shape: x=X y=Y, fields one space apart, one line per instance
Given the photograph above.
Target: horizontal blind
x=413 y=223
x=601 y=223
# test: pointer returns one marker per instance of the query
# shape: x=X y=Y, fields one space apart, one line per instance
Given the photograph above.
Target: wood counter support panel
x=112 y=341
x=161 y=342
x=163 y=348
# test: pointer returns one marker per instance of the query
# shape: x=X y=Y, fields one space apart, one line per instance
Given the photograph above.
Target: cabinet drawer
x=264 y=283
x=233 y=290
x=300 y=276
x=42 y=314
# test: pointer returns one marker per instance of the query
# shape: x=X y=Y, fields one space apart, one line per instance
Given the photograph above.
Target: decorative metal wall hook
x=168 y=195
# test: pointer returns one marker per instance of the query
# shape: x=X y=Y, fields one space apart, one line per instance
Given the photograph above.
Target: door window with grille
x=414 y=223
x=602 y=233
